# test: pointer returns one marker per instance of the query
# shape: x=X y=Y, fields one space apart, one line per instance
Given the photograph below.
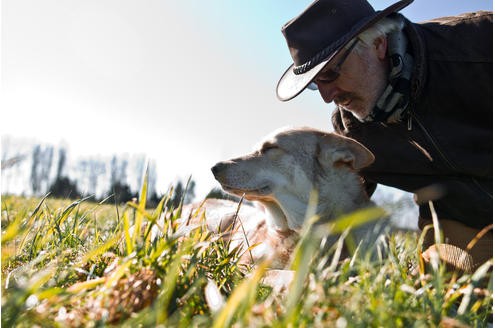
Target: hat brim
x=290 y=84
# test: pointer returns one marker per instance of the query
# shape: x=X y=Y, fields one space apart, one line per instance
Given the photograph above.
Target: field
x=78 y=264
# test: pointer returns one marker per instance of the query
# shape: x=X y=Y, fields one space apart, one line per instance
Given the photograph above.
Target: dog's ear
x=338 y=150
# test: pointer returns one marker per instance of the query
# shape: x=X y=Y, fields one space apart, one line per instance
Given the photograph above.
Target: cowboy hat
x=319 y=33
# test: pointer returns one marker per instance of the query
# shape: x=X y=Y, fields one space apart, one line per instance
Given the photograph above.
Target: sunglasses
x=333 y=74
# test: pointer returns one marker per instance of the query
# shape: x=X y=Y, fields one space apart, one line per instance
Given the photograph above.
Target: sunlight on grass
x=86 y=264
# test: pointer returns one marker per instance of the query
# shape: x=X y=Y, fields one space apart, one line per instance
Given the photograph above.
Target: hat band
x=315 y=60
x=321 y=56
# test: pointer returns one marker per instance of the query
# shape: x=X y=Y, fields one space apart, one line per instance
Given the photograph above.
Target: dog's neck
x=338 y=193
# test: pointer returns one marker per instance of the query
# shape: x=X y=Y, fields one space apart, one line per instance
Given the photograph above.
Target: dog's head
x=287 y=166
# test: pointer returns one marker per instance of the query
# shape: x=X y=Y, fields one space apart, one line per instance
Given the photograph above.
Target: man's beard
x=350 y=98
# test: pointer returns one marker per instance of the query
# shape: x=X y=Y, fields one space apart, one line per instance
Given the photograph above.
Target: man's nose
x=328 y=92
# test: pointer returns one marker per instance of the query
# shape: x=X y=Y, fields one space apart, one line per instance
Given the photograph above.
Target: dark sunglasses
x=334 y=73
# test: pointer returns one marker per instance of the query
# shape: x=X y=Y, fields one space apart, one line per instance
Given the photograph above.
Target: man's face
x=361 y=81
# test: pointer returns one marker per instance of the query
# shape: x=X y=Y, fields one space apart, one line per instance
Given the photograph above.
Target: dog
x=279 y=176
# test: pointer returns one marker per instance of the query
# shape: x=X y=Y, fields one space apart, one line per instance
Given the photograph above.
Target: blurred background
x=94 y=91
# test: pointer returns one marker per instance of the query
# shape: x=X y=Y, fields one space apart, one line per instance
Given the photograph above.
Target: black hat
x=318 y=33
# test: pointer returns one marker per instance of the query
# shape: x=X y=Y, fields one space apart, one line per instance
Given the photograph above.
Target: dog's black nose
x=217 y=168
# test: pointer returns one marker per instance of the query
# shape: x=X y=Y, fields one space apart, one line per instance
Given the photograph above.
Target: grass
x=79 y=264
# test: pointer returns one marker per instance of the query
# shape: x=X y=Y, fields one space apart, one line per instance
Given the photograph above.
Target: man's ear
x=380 y=45
x=337 y=150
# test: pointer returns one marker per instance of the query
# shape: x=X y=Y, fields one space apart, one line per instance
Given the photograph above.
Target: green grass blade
x=127 y=234
x=100 y=250
x=141 y=208
x=357 y=218
x=241 y=300
x=170 y=281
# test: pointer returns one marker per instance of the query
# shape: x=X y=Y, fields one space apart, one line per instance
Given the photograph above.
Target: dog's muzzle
x=218 y=168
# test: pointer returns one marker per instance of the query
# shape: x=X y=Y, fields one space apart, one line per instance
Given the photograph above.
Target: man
x=419 y=96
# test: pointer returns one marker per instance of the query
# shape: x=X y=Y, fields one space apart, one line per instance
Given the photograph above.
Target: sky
x=188 y=83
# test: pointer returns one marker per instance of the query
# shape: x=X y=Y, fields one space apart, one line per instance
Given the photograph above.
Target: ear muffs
x=338 y=150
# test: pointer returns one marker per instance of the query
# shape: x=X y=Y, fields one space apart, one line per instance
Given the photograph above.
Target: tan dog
x=279 y=176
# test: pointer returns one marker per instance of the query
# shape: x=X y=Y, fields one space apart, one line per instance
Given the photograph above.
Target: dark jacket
x=446 y=138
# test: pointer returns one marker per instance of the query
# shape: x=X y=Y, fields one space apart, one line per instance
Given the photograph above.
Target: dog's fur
x=280 y=175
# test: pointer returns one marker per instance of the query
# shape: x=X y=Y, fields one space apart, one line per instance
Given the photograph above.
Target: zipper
x=444 y=157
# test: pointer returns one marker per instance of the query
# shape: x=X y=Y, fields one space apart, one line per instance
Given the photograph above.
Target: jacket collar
x=420 y=68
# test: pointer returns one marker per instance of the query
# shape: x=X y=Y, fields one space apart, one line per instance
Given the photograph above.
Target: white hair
x=382 y=28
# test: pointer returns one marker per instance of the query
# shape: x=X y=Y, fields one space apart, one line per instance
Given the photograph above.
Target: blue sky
x=189 y=83
x=259 y=21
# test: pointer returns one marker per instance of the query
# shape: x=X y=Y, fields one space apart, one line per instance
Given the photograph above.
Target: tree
x=62 y=160
x=118 y=171
x=46 y=167
x=35 y=172
x=122 y=192
x=118 y=181
x=153 y=198
x=13 y=161
x=139 y=166
x=181 y=193
x=40 y=169
x=63 y=187
x=96 y=168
